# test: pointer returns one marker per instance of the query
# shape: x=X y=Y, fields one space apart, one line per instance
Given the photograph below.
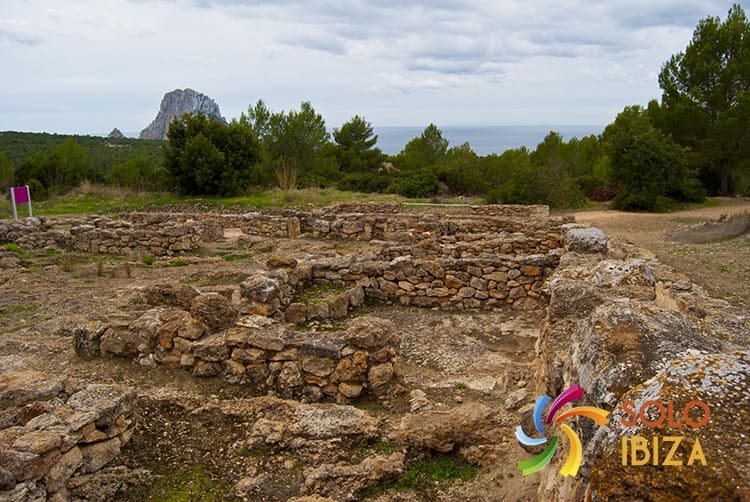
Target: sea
x=484 y=140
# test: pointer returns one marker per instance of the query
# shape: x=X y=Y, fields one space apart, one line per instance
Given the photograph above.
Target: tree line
x=692 y=142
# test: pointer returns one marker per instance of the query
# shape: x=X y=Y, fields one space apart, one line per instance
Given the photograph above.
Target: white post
x=28 y=194
x=13 y=203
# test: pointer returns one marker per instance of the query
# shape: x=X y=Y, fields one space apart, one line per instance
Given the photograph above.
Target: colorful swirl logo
x=575 y=455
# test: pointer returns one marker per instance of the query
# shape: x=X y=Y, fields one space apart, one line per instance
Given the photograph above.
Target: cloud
x=461 y=60
x=15 y=32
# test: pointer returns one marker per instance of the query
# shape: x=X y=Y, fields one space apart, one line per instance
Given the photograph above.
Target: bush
x=38 y=192
x=366 y=182
x=420 y=183
x=638 y=201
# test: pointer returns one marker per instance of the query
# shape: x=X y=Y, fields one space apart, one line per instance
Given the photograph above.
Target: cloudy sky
x=89 y=66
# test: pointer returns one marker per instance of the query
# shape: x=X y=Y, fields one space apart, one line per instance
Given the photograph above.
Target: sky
x=85 y=67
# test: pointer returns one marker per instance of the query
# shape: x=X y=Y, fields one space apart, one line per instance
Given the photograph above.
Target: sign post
x=20 y=195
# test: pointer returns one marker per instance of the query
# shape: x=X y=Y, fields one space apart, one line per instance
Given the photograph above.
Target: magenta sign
x=21 y=194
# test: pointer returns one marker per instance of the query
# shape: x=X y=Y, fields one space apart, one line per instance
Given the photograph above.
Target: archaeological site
x=361 y=351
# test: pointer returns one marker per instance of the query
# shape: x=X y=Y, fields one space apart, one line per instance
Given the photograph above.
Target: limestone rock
x=467 y=424
x=584 y=239
x=213 y=310
x=115 y=134
x=30 y=491
x=168 y=295
x=369 y=332
x=175 y=104
x=261 y=288
x=106 y=484
x=516 y=399
x=344 y=481
x=720 y=381
x=97 y=455
x=276 y=261
x=86 y=339
x=139 y=337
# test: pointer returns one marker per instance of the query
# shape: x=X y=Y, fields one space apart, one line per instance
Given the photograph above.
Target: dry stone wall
x=209 y=335
x=157 y=236
x=447 y=233
x=56 y=435
x=463 y=283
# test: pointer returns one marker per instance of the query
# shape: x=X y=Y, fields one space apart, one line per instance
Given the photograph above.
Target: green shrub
x=420 y=183
x=148 y=260
x=38 y=192
x=366 y=182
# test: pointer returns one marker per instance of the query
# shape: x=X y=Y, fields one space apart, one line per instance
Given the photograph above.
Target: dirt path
x=722 y=268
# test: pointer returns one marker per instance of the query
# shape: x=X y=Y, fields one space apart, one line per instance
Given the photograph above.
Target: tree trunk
x=724 y=179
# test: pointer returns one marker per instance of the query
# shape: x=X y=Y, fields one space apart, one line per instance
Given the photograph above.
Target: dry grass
x=113 y=191
x=724 y=229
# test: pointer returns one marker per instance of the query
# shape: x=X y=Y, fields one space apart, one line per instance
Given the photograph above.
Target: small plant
x=320 y=293
x=148 y=260
x=178 y=262
x=426 y=472
x=99 y=268
x=235 y=257
x=461 y=386
x=65 y=263
x=15 y=248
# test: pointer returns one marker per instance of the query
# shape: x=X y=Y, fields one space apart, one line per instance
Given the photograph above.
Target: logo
x=575 y=455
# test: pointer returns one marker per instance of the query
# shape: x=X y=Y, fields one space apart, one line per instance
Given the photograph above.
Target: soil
x=722 y=268
x=454 y=357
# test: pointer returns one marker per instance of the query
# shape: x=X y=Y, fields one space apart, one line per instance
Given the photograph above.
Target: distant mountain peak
x=177 y=103
x=115 y=134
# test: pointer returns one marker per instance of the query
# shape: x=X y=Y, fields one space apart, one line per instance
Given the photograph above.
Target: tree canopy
x=206 y=156
x=356 y=146
x=706 y=98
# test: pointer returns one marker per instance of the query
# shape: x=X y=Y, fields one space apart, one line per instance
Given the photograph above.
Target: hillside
x=103 y=152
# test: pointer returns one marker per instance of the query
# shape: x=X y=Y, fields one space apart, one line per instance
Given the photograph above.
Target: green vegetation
x=148 y=260
x=186 y=486
x=230 y=257
x=320 y=293
x=15 y=248
x=178 y=262
x=691 y=143
x=206 y=156
x=424 y=473
x=705 y=103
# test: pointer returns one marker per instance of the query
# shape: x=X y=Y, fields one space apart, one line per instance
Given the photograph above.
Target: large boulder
x=213 y=310
x=584 y=239
x=719 y=381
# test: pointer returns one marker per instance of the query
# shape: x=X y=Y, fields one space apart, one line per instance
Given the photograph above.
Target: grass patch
x=16 y=310
x=178 y=262
x=230 y=257
x=148 y=260
x=461 y=386
x=424 y=473
x=15 y=248
x=93 y=198
x=320 y=293
x=185 y=486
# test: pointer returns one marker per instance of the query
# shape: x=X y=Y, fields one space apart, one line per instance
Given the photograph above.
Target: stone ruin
x=616 y=321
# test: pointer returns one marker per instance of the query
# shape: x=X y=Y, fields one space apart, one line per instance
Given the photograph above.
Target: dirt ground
x=722 y=268
x=453 y=357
